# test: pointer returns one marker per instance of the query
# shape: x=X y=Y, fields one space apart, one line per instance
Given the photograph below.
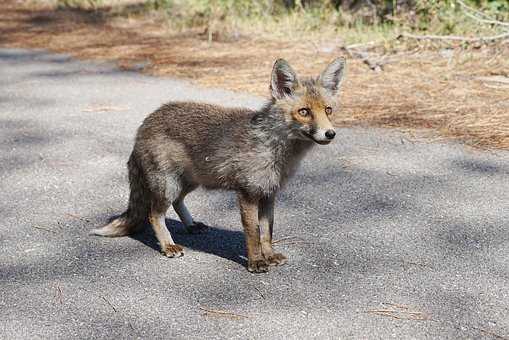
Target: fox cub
x=183 y=145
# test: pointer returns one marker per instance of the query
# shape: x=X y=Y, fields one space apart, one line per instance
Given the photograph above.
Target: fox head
x=308 y=104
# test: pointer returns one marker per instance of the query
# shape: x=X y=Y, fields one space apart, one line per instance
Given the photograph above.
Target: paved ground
x=382 y=222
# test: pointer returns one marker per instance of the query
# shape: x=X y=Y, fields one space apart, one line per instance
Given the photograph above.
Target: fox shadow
x=228 y=244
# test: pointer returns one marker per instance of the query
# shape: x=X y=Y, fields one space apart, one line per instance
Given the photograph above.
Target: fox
x=184 y=145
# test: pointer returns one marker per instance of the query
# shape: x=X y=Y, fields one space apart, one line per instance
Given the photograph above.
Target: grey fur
x=184 y=145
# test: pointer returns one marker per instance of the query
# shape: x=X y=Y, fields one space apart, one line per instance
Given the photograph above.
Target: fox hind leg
x=192 y=227
x=163 y=193
x=168 y=246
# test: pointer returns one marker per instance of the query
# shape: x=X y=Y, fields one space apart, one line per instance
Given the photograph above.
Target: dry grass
x=453 y=94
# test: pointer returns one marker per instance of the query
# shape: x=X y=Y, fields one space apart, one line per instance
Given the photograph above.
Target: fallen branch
x=484 y=18
x=473 y=9
x=486 y=21
x=454 y=37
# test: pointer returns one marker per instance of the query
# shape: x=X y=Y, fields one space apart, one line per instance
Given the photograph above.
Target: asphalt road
x=387 y=236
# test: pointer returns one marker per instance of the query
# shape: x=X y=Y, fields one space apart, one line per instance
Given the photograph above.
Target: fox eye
x=328 y=110
x=304 y=112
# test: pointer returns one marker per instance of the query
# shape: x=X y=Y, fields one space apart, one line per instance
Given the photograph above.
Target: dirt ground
x=446 y=92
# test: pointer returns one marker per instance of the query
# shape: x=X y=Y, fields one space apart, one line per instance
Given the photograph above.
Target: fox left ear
x=333 y=74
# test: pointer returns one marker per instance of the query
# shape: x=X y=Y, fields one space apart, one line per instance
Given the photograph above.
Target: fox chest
x=260 y=172
x=256 y=172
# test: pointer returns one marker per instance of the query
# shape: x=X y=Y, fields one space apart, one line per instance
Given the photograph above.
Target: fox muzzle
x=323 y=136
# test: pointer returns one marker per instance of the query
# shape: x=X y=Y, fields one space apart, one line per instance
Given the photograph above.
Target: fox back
x=241 y=149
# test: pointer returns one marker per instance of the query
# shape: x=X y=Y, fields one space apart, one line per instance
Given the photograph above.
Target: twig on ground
x=418 y=264
x=112 y=307
x=284 y=239
x=45 y=229
x=104 y=109
x=401 y=315
x=115 y=310
x=78 y=217
x=259 y=292
x=215 y=312
x=401 y=312
x=289 y=240
x=109 y=303
x=59 y=294
x=454 y=37
x=296 y=242
x=397 y=305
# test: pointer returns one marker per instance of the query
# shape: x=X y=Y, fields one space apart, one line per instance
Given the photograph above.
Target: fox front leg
x=249 y=214
x=266 y=222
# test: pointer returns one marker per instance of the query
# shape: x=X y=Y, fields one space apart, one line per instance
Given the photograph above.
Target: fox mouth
x=310 y=136
x=322 y=142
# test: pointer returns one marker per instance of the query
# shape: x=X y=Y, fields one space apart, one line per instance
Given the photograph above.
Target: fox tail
x=133 y=219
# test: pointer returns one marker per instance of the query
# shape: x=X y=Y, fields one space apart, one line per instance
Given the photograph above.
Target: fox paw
x=173 y=250
x=277 y=259
x=258 y=266
x=197 y=228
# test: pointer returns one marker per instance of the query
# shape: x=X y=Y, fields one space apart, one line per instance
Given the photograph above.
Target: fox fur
x=184 y=145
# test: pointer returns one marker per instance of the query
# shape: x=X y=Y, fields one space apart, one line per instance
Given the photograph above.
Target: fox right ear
x=283 y=80
x=333 y=74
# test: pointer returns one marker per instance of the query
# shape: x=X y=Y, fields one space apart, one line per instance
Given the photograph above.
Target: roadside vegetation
x=439 y=66
x=228 y=19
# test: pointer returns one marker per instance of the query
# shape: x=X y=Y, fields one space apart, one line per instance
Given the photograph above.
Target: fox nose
x=330 y=134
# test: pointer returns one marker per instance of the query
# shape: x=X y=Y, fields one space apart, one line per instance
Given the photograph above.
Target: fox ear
x=283 y=80
x=333 y=74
